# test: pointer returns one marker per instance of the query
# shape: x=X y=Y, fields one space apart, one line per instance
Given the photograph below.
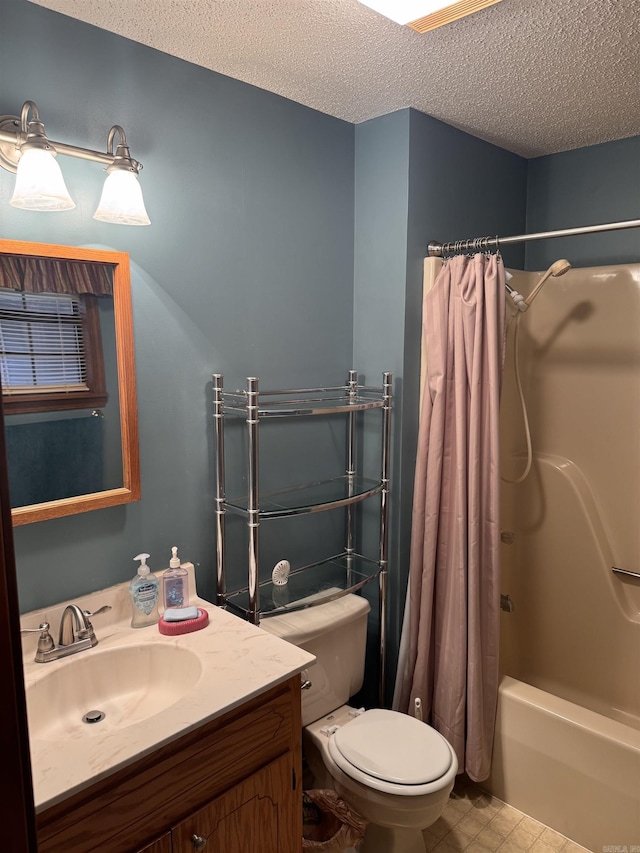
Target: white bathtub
x=567 y=746
x=574 y=770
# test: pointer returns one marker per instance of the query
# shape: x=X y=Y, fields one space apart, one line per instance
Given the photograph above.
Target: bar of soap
x=186 y=626
x=180 y=614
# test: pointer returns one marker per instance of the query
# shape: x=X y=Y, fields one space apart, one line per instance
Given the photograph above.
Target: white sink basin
x=151 y=687
x=128 y=684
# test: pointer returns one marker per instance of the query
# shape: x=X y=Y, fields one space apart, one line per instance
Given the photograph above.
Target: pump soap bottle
x=145 y=591
x=175 y=583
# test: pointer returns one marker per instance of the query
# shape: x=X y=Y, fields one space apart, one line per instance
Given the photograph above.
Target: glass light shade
x=121 y=201
x=405 y=11
x=39 y=183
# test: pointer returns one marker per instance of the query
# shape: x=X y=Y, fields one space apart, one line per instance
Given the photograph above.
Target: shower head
x=556 y=269
x=559 y=267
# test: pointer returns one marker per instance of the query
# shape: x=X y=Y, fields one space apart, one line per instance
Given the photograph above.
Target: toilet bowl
x=394 y=770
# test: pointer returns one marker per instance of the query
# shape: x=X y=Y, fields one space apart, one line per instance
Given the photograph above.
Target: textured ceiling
x=533 y=76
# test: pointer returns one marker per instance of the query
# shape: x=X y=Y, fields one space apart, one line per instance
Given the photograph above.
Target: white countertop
x=238 y=661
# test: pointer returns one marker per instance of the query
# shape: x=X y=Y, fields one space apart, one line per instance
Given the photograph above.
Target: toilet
x=394 y=770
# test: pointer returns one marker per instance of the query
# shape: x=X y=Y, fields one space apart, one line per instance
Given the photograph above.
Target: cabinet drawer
x=129 y=808
x=259 y=814
x=160 y=845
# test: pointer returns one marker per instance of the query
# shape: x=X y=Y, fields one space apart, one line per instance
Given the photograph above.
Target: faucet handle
x=45 y=640
x=87 y=631
x=42 y=629
x=97 y=612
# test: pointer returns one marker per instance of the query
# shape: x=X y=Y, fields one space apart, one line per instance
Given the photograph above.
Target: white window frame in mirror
x=130 y=490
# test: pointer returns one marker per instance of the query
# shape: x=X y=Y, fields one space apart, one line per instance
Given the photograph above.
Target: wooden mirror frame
x=130 y=491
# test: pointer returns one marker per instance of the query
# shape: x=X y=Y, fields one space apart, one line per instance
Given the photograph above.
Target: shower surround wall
x=568 y=732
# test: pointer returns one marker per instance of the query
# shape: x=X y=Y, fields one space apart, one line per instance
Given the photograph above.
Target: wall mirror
x=68 y=379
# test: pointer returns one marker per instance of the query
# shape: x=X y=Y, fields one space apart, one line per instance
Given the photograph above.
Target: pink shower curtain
x=449 y=649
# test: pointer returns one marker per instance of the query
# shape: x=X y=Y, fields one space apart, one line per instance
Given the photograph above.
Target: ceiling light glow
x=405 y=11
x=425 y=15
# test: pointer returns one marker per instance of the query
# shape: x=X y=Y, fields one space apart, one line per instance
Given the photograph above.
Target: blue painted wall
x=588 y=186
x=247 y=268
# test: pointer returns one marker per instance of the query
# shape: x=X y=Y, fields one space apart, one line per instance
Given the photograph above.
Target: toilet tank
x=336 y=633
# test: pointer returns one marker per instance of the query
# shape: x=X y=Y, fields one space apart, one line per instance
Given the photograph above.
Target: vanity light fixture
x=26 y=150
x=121 y=200
x=425 y=15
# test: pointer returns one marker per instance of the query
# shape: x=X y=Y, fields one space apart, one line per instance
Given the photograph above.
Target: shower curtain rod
x=479 y=244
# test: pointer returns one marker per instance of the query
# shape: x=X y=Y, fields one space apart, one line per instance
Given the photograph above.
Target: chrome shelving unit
x=335 y=575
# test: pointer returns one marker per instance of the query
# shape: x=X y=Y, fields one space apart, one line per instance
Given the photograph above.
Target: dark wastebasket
x=329 y=824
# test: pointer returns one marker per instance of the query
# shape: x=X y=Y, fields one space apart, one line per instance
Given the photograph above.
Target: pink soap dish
x=172 y=629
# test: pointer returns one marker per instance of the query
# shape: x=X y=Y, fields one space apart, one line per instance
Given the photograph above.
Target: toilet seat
x=393 y=753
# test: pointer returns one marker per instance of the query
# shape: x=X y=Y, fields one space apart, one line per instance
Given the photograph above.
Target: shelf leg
x=253 y=521
x=387 y=392
x=218 y=421
x=352 y=391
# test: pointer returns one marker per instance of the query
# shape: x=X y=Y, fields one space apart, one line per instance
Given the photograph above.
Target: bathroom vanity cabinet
x=232 y=784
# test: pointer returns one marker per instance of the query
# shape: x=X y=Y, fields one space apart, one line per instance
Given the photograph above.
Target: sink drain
x=94 y=717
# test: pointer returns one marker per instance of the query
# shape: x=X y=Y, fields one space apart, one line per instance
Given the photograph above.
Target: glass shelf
x=314 y=497
x=236 y=404
x=310 y=585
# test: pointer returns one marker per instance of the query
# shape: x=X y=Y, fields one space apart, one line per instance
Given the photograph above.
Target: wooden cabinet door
x=259 y=815
x=160 y=845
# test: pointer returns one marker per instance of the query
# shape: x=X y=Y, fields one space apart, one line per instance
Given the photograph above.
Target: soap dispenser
x=144 y=590
x=175 y=583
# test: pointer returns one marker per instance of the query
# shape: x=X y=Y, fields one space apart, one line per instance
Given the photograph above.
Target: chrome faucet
x=76 y=634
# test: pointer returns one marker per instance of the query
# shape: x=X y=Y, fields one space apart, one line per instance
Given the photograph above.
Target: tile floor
x=475 y=822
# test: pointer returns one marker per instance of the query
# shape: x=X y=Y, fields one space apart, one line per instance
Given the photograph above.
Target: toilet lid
x=393 y=747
